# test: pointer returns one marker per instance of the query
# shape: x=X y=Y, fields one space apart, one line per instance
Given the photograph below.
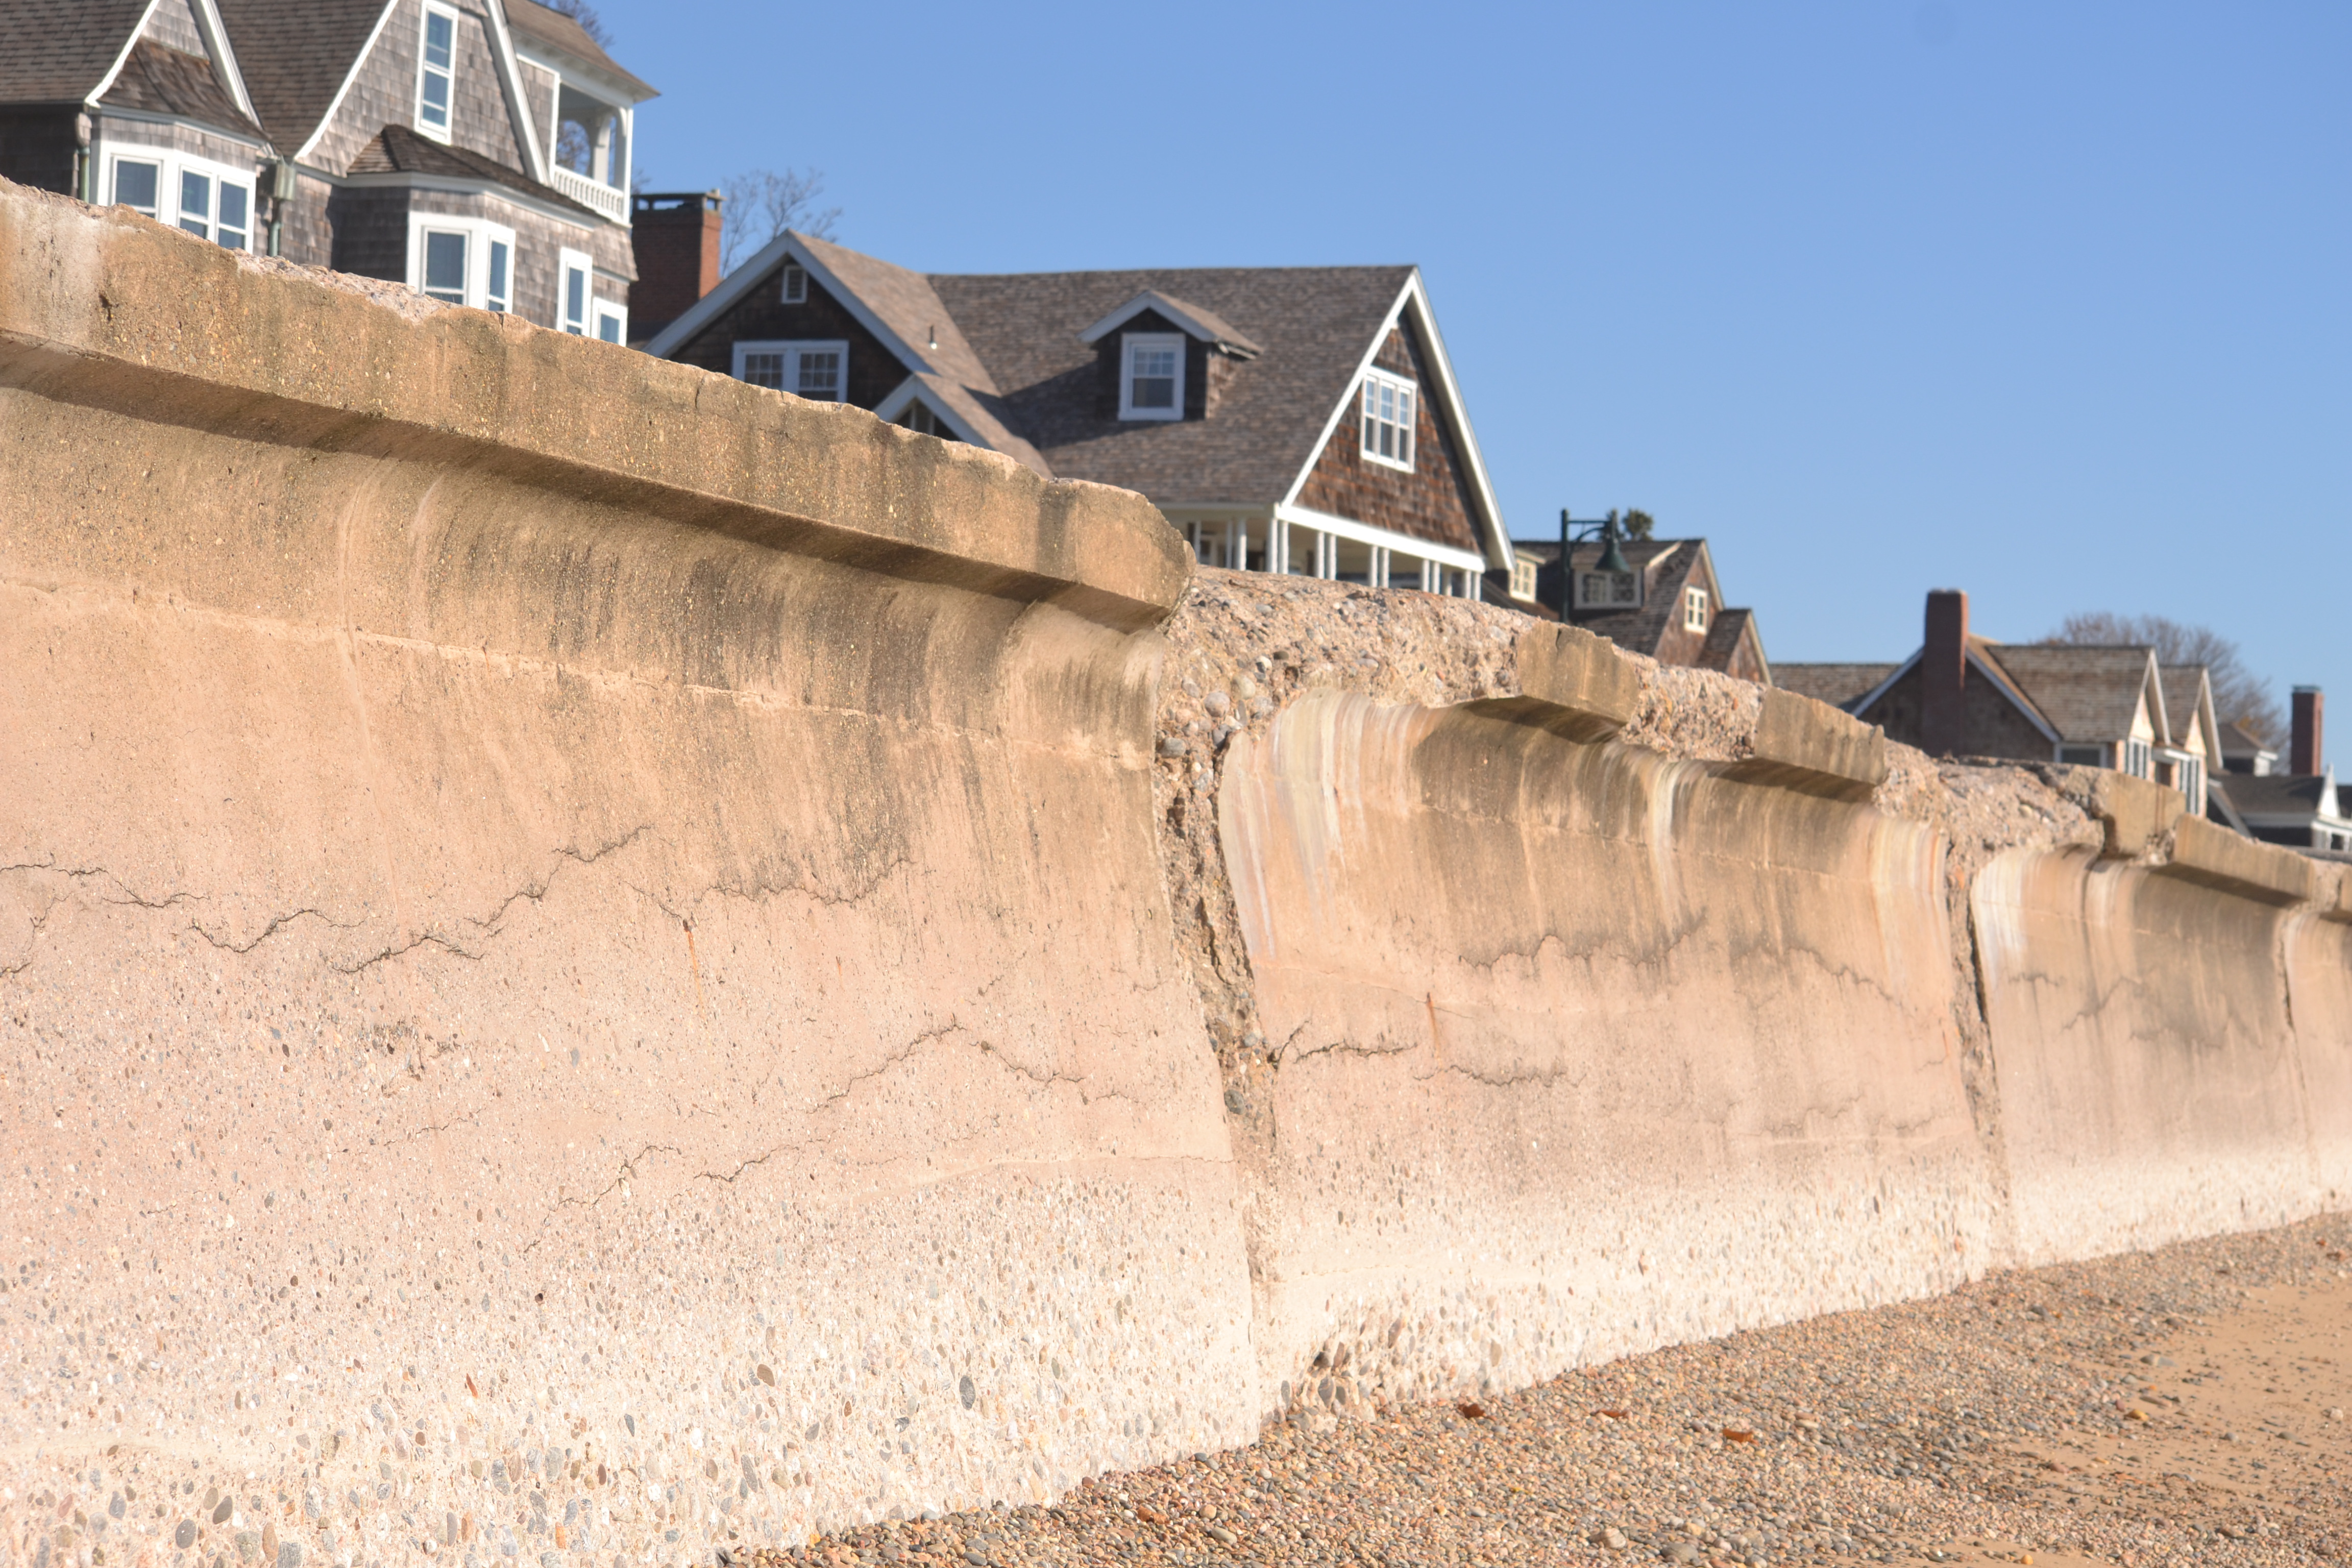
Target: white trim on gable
x=1154 y=301
x=518 y=100
x=215 y=33
x=754 y=273
x=891 y=409
x=1448 y=408
x=335 y=104
x=122 y=57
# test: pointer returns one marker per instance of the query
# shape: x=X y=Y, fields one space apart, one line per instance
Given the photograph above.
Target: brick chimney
x=2303 y=753
x=1943 y=676
x=676 y=237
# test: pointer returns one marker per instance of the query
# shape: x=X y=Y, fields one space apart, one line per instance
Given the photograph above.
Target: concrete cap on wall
x=2137 y=814
x=2217 y=858
x=1804 y=744
x=2335 y=892
x=180 y=331
x=1572 y=682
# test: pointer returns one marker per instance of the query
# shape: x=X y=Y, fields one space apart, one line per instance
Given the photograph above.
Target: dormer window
x=1152 y=376
x=437 y=72
x=1608 y=591
x=795 y=284
x=1694 y=609
x=1388 y=419
x=1523 y=578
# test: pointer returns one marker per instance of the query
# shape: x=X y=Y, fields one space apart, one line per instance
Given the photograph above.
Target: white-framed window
x=462 y=260
x=612 y=323
x=1388 y=419
x=437 y=72
x=1151 y=375
x=208 y=199
x=1608 y=590
x=795 y=283
x=2138 y=762
x=818 y=371
x=1523 y=578
x=575 y=290
x=1694 y=609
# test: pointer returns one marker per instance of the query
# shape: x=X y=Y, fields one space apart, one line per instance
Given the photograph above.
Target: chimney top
x=2303 y=742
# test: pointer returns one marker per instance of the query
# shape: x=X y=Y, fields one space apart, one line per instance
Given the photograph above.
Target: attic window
x=1694 y=609
x=436 y=71
x=1523 y=578
x=816 y=370
x=1152 y=376
x=795 y=284
x=1388 y=419
x=1608 y=590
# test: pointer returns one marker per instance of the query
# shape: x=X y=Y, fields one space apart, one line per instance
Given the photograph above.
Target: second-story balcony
x=606 y=201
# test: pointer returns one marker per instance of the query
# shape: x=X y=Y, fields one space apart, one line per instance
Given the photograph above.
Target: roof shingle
x=295 y=56
x=57 y=52
x=168 y=81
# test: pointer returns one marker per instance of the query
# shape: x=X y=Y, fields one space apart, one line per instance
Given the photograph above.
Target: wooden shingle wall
x=1433 y=502
x=384 y=91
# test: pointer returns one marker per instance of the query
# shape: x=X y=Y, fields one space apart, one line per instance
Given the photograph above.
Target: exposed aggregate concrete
x=2169 y=1407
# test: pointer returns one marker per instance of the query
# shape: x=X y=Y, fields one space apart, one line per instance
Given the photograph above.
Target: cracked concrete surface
x=594 y=959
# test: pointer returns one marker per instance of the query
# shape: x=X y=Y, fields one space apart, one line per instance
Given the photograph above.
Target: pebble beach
x=2176 y=1406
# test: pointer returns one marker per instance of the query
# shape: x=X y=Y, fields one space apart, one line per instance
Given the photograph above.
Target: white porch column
x=1379 y=565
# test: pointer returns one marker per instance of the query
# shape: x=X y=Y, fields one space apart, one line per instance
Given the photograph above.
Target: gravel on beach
x=2183 y=1405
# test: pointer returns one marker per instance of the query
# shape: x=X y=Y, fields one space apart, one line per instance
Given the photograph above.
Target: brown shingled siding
x=1206 y=374
x=760 y=315
x=1995 y=727
x=1433 y=502
x=384 y=93
x=37 y=148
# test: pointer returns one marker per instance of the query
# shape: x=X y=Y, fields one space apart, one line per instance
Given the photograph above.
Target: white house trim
x=785 y=247
x=335 y=104
x=519 y=101
x=1490 y=513
x=1154 y=300
x=461 y=185
x=1381 y=537
x=122 y=57
x=215 y=34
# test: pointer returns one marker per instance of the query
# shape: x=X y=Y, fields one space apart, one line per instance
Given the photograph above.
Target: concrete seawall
x=598 y=962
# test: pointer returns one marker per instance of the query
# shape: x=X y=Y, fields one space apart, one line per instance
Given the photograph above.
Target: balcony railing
x=603 y=199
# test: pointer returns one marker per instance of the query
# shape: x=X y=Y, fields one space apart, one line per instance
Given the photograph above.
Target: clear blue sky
x=2053 y=302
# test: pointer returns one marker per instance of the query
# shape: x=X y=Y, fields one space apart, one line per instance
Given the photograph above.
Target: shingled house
x=1963 y=695
x=140 y=99
x=2303 y=808
x=477 y=151
x=1287 y=419
x=1669 y=605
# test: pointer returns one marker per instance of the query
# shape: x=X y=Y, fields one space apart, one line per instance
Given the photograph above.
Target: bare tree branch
x=761 y=203
x=2240 y=695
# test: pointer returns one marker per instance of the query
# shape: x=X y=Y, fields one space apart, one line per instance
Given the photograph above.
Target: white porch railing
x=602 y=199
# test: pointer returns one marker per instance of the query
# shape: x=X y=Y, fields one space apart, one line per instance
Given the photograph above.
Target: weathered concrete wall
x=1583 y=1049
x=598 y=962
x=586 y=966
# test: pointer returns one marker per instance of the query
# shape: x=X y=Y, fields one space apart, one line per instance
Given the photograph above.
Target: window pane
x=497 y=298
x=235 y=202
x=608 y=328
x=821 y=376
x=764 y=370
x=134 y=186
x=575 y=300
x=436 y=108
x=444 y=267
x=197 y=202
x=439 y=34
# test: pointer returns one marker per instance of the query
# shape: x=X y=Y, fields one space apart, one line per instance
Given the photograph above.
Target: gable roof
x=64 y=51
x=1315 y=327
x=2237 y=741
x=2273 y=796
x=1839 y=685
x=552 y=29
x=1205 y=325
x=2188 y=700
x=168 y=81
x=2087 y=693
x=77 y=51
x=1017 y=342
x=298 y=56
